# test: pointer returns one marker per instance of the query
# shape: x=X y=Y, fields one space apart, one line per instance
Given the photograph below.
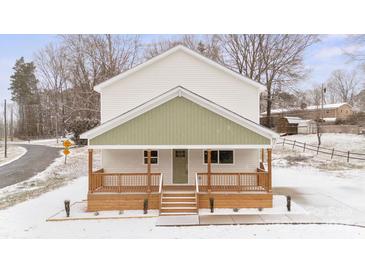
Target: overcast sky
x=321 y=59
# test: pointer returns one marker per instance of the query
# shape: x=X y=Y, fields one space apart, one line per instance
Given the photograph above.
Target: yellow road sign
x=67 y=143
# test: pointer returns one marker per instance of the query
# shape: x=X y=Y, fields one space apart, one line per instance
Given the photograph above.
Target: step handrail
x=160 y=192
x=196 y=183
x=197 y=192
x=160 y=183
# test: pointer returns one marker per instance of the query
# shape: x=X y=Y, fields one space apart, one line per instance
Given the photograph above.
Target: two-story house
x=180 y=132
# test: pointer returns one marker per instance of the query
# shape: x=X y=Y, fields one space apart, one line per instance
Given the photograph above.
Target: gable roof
x=167 y=53
x=169 y=95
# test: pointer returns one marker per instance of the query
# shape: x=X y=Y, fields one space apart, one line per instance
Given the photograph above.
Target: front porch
x=129 y=190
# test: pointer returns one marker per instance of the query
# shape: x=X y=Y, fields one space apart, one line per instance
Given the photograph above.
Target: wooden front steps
x=178 y=200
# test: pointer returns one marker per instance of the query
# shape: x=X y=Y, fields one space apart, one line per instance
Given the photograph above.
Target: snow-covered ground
x=56 y=175
x=329 y=191
x=340 y=141
x=285 y=156
x=28 y=220
x=13 y=153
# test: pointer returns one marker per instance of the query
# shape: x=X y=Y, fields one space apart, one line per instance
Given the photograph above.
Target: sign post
x=5 y=133
x=66 y=150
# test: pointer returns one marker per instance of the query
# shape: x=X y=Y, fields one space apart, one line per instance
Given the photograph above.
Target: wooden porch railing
x=234 y=182
x=124 y=182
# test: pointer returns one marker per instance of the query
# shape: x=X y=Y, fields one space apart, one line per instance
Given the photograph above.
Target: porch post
x=90 y=168
x=262 y=159
x=209 y=166
x=262 y=155
x=269 y=168
x=149 y=170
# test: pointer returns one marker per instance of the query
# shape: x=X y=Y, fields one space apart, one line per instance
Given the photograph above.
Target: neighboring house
x=335 y=111
x=176 y=132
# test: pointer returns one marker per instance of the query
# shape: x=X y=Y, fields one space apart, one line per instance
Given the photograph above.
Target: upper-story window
x=219 y=157
x=154 y=157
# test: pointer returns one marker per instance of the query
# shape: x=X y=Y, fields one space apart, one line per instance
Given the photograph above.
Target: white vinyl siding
x=245 y=160
x=180 y=69
x=132 y=161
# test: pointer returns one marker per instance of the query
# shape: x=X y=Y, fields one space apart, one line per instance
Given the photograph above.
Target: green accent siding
x=179 y=122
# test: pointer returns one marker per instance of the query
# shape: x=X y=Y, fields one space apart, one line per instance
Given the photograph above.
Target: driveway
x=37 y=159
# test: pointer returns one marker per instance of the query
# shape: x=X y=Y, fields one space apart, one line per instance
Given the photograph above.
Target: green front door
x=180 y=166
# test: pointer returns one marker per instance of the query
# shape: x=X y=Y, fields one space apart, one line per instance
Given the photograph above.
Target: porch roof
x=180 y=119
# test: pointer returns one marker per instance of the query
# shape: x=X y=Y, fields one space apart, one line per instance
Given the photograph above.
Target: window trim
x=221 y=164
x=158 y=157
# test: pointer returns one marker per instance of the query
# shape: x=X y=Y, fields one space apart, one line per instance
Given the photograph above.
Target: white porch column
x=149 y=170
x=209 y=167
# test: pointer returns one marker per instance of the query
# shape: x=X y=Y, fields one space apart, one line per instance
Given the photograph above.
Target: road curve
x=35 y=160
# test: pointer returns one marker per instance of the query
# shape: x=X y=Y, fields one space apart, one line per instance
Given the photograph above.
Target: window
x=180 y=154
x=154 y=157
x=219 y=157
x=213 y=157
x=226 y=156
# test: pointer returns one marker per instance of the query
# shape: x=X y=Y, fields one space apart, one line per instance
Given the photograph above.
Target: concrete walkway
x=196 y=220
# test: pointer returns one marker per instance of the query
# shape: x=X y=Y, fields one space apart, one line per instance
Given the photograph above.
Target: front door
x=180 y=166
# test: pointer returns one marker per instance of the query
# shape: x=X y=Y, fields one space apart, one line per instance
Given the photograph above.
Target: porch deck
x=120 y=191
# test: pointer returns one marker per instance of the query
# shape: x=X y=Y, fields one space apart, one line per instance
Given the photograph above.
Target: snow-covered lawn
x=28 y=220
x=340 y=141
x=285 y=156
x=13 y=153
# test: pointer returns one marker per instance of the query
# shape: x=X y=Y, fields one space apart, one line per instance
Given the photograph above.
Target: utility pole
x=5 y=132
x=57 y=129
x=323 y=92
x=11 y=123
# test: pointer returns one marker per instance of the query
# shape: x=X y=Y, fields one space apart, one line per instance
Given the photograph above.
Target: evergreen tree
x=23 y=86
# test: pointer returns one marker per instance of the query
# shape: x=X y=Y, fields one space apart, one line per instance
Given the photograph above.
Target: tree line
x=54 y=91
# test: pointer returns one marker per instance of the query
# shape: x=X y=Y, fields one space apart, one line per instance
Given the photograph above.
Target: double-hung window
x=219 y=157
x=154 y=157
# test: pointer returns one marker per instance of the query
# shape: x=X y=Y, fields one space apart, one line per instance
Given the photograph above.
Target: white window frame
x=158 y=157
x=222 y=164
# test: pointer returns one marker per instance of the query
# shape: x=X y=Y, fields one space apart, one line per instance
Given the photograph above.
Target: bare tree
x=54 y=81
x=69 y=70
x=358 y=53
x=343 y=86
x=274 y=60
x=207 y=45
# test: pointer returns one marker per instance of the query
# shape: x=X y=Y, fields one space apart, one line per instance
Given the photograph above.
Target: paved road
x=37 y=159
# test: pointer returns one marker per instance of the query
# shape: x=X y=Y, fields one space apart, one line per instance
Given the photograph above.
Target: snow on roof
x=294 y=120
x=329 y=119
x=314 y=107
x=297 y=120
x=327 y=106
